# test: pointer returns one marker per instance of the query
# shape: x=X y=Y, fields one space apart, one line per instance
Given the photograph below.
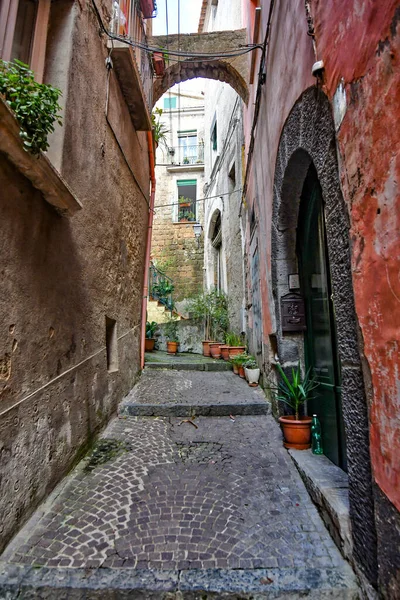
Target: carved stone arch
x=218 y=70
x=308 y=136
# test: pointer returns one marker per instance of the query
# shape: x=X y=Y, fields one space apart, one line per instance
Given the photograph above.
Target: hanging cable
x=198 y=199
x=192 y=56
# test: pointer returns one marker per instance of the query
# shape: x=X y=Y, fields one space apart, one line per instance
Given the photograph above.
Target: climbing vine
x=35 y=105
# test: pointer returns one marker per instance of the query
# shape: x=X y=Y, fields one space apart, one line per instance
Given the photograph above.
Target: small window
x=111 y=345
x=169 y=103
x=187 y=206
x=214 y=138
x=187 y=145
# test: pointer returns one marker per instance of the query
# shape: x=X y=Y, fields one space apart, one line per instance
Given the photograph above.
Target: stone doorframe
x=308 y=136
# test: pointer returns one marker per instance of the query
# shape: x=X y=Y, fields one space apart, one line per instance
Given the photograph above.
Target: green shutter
x=186 y=182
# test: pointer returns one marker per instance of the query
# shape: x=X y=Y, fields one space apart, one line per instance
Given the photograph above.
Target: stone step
x=132 y=409
x=183 y=393
x=180 y=365
x=18 y=582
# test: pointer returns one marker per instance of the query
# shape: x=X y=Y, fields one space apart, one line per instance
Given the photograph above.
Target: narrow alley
x=180 y=506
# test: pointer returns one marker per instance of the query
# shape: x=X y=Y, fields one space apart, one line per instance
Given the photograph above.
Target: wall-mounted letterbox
x=293 y=314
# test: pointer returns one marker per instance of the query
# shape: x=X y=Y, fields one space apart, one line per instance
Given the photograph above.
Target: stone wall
x=190 y=336
x=62 y=278
x=174 y=249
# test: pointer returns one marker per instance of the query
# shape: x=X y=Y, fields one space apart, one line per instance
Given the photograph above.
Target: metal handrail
x=160 y=287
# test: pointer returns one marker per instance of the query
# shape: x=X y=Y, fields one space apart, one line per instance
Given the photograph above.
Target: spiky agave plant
x=296 y=392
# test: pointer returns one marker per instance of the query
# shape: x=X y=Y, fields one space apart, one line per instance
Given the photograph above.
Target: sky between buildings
x=189 y=11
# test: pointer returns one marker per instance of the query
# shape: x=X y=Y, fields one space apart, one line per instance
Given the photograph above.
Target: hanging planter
x=159 y=63
x=147 y=7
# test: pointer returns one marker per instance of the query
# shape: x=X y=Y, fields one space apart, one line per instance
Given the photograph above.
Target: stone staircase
x=158 y=312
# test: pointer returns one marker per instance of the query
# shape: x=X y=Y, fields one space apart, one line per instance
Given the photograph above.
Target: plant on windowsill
x=184 y=202
x=186 y=161
x=171 y=333
x=35 y=105
x=295 y=392
x=150 y=340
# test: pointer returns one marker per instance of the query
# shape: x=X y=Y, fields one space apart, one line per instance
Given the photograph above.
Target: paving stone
x=213 y=496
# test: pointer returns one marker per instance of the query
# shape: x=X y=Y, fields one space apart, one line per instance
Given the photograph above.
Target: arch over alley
x=233 y=70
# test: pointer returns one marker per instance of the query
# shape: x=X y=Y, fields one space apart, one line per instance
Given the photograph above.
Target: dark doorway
x=320 y=337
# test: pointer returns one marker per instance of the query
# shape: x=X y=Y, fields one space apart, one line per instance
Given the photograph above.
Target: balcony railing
x=161 y=287
x=127 y=22
x=191 y=155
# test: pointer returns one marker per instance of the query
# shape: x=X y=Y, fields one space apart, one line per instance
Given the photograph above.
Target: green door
x=320 y=336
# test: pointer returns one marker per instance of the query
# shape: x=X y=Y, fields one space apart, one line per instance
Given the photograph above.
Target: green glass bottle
x=316 y=436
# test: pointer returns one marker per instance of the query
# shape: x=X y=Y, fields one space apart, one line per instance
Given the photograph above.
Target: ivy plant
x=35 y=105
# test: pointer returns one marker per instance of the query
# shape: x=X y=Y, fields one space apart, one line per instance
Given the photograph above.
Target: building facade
x=223 y=234
x=322 y=240
x=180 y=182
x=73 y=236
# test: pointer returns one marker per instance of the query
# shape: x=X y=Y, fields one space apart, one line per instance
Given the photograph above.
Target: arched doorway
x=308 y=138
x=320 y=339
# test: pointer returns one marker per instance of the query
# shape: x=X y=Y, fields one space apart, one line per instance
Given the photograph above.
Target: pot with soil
x=296 y=429
x=252 y=371
x=172 y=347
x=171 y=333
x=150 y=340
x=206 y=347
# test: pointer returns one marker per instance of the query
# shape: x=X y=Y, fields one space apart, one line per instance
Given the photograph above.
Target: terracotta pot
x=215 y=349
x=235 y=369
x=225 y=352
x=206 y=347
x=235 y=350
x=149 y=344
x=241 y=372
x=172 y=347
x=297 y=434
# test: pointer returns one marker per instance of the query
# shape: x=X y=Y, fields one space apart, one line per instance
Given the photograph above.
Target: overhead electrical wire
x=198 y=199
x=195 y=56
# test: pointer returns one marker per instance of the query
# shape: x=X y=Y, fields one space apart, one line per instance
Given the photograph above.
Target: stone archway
x=234 y=70
x=308 y=136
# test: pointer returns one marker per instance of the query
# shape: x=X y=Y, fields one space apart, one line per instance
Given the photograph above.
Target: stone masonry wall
x=62 y=277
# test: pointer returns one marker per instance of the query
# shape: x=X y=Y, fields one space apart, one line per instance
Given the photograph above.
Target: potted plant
x=171 y=333
x=252 y=371
x=151 y=328
x=238 y=361
x=215 y=349
x=234 y=343
x=184 y=202
x=186 y=160
x=211 y=309
x=294 y=393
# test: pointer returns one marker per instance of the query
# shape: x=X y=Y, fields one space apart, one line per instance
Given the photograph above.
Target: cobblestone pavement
x=210 y=503
x=224 y=495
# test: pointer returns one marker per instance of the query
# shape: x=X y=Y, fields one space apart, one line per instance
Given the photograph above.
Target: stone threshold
x=328 y=487
x=19 y=582
x=133 y=409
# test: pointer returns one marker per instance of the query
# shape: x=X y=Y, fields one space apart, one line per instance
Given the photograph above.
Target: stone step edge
x=189 y=366
x=19 y=581
x=132 y=409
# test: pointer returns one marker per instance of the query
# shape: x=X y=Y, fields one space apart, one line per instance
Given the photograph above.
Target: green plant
x=35 y=105
x=151 y=328
x=250 y=363
x=171 y=329
x=240 y=359
x=233 y=339
x=159 y=128
x=183 y=200
x=186 y=160
x=212 y=310
x=296 y=392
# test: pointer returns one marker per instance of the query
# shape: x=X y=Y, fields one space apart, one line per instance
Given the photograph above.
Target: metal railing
x=161 y=287
x=190 y=155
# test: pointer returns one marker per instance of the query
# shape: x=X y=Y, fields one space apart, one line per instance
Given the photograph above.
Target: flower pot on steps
x=149 y=344
x=172 y=347
x=252 y=376
x=297 y=433
x=215 y=349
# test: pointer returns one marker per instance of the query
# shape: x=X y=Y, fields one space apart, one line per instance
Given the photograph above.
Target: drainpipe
x=148 y=246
